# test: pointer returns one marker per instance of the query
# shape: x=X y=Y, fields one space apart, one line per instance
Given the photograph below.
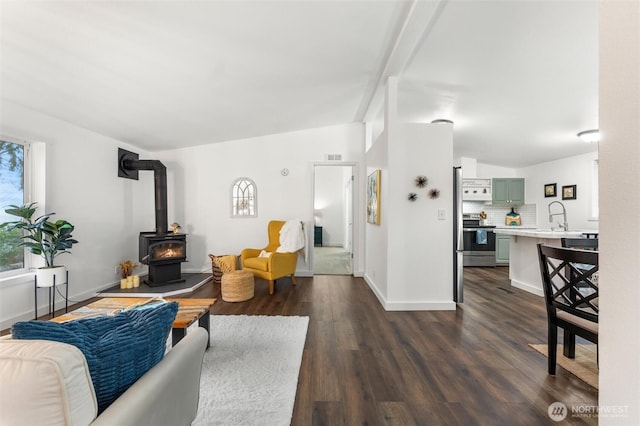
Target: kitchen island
x=524 y=268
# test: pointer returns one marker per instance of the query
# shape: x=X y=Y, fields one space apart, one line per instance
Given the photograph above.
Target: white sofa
x=48 y=383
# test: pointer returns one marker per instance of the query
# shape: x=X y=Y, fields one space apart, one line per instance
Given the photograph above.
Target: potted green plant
x=44 y=238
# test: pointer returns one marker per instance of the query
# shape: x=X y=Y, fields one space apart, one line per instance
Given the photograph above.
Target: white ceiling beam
x=414 y=27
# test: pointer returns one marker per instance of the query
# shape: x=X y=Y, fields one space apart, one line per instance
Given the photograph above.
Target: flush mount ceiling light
x=441 y=120
x=589 y=135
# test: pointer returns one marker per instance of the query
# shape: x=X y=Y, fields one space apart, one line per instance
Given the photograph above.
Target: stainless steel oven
x=479 y=243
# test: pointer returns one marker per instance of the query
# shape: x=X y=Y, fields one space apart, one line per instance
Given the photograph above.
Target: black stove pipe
x=160 y=187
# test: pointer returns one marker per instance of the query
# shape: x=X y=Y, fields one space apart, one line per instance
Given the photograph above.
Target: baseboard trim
x=527 y=287
x=375 y=290
x=420 y=306
x=408 y=306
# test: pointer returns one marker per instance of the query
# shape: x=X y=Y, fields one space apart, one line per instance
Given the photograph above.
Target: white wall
x=469 y=166
x=377 y=235
x=420 y=248
x=83 y=187
x=575 y=170
x=619 y=206
x=329 y=204
x=109 y=212
x=409 y=259
x=348 y=188
x=200 y=179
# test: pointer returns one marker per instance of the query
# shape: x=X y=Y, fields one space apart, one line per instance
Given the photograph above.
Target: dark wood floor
x=364 y=366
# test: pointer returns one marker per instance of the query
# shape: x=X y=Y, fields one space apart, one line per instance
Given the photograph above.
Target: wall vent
x=334 y=157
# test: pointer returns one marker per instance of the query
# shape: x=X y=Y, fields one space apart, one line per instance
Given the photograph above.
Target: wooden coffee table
x=189 y=311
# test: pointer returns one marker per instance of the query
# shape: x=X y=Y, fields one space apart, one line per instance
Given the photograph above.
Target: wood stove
x=163 y=254
x=162 y=251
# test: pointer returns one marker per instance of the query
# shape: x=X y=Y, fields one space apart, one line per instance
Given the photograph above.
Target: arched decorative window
x=244 y=198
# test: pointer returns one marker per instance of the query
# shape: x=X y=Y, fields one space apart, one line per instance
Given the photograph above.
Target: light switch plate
x=442 y=214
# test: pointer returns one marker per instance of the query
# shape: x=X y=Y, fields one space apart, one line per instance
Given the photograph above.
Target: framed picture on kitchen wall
x=569 y=192
x=373 y=198
x=550 y=190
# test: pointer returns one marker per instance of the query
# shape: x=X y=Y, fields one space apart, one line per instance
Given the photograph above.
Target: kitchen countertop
x=516 y=227
x=524 y=269
x=539 y=233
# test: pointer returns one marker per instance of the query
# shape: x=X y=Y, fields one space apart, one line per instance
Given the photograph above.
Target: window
x=13 y=176
x=244 y=198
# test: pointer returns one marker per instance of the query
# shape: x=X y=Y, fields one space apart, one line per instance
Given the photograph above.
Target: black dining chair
x=565 y=273
x=580 y=243
x=584 y=244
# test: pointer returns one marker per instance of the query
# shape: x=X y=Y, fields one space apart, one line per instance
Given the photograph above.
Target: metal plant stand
x=52 y=300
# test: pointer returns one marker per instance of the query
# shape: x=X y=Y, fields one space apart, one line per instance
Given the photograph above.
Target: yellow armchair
x=274 y=265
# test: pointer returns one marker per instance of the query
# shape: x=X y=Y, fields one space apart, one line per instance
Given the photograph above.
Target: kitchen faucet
x=563 y=225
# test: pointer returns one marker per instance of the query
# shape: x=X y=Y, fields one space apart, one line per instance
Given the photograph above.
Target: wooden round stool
x=237 y=286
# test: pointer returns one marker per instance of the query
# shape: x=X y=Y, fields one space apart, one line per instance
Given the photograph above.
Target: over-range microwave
x=476 y=189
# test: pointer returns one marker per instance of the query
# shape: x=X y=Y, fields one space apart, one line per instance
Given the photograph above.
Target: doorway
x=333 y=219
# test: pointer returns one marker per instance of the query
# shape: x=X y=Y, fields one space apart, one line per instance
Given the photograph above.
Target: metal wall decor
x=421 y=182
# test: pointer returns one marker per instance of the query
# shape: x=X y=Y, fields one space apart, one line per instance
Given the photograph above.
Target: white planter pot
x=45 y=276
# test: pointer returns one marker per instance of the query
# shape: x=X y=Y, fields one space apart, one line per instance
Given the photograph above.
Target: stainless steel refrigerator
x=458 y=275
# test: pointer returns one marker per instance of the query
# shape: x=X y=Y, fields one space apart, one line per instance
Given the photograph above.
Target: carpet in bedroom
x=331 y=261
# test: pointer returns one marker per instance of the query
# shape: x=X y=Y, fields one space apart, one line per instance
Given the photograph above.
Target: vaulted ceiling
x=519 y=79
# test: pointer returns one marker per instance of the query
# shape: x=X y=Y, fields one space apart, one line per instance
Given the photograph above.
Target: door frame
x=355 y=217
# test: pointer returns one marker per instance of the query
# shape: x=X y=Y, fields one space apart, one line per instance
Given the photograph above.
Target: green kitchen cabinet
x=502 y=249
x=508 y=191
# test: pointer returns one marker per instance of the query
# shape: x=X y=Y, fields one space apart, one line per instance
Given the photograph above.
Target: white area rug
x=250 y=372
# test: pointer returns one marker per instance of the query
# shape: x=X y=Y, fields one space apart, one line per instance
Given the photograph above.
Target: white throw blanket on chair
x=291 y=237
